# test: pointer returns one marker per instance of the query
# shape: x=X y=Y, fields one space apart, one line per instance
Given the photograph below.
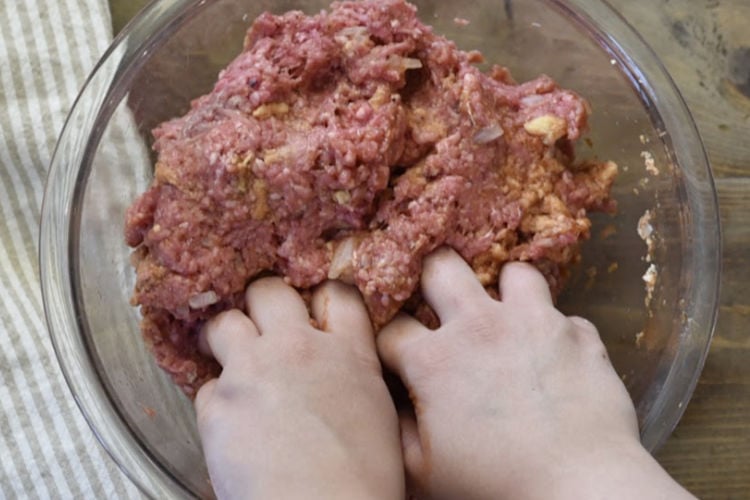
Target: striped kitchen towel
x=47 y=48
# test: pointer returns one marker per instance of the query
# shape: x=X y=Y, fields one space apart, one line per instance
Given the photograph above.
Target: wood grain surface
x=705 y=45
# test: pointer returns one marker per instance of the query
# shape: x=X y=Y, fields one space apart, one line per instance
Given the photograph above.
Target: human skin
x=513 y=399
x=298 y=412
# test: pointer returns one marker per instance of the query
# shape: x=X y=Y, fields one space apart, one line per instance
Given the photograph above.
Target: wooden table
x=705 y=45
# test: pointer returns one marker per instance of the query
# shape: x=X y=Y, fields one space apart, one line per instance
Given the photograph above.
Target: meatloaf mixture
x=348 y=145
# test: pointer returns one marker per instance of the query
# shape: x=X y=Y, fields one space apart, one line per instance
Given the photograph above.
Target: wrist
x=614 y=470
x=333 y=484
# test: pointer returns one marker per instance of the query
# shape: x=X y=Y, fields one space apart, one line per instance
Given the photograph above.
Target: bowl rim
x=129 y=50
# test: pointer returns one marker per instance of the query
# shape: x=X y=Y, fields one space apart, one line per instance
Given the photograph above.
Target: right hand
x=512 y=399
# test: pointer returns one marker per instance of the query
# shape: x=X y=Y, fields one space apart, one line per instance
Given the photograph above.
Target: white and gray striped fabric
x=47 y=48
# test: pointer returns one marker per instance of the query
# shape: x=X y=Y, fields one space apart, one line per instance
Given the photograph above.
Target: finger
x=522 y=283
x=584 y=325
x=587 y=335
x=274 y=305
x=230 y=331
x=204 y=395
x=411 y=447
x=449 y=284
x=339 y=308
x=394 y=341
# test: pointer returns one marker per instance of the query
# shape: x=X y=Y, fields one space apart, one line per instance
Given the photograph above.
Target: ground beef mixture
x=349 y=145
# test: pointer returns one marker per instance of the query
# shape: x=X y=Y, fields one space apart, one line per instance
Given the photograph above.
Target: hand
x=512 y=399
x=298 y=412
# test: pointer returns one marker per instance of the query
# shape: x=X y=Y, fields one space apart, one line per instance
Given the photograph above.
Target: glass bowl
x=173 y=51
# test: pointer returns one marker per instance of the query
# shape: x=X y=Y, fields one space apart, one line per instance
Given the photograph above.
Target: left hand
x=298 y=412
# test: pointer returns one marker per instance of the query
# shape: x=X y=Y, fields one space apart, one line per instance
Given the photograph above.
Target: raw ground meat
x=349 y=145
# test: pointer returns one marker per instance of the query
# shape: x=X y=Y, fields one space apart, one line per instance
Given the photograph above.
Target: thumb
x=396 y=343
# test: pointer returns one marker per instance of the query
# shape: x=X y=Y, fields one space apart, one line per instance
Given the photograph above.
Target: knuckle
x=583 y=324
x=480 y=326
x=408 y=350
x=299 y=349
x=231 y=389
x=210 y=413
x=428 y=357
x=484 y=331
x=588 y=336
x=364 y=354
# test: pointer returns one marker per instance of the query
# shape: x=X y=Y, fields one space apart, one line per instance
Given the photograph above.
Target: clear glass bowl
x=172 y=52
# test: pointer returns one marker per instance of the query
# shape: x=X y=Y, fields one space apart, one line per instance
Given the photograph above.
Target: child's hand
x=298 y=412
x=513 y=399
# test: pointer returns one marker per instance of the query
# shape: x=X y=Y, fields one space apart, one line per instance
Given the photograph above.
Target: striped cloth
x=47 y=48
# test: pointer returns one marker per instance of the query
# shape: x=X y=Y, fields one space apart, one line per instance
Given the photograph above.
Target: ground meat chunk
x=349 y=145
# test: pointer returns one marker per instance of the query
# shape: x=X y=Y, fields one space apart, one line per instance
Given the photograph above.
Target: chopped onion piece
x=202 y=300
x=488 y=134
x=412 y=63
x=342 y=262
x=354 y=31
x=531 y=100
x=352 y=36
